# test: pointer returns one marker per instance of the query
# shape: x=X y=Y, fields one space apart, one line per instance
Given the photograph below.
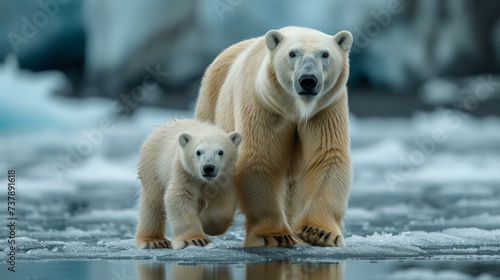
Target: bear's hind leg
x=219 y=213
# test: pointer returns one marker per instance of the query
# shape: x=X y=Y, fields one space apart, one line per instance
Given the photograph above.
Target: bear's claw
x=201 y=242
x=286 y=240
x=156 y=244
x=318 y=237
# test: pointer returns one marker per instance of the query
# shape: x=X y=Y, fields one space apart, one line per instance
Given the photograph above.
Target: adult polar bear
x=286 y=93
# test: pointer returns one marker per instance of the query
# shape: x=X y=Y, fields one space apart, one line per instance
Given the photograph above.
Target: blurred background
x=82 y=83
x=406 y=54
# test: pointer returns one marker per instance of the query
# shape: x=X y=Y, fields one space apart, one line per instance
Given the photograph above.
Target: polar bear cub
x=186 y=172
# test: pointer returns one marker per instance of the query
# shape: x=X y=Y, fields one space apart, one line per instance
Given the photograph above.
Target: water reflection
x=259 y=271
x=295 y=271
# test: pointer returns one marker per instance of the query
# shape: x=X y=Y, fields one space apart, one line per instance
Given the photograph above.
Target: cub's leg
x=182 y=205
x=218 y=213
x=150 y=233
x=325 y=179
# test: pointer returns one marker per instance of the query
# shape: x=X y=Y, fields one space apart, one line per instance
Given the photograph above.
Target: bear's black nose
x=208 y=169
x=308 y=82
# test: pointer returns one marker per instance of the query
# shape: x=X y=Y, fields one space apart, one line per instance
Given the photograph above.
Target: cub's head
x=309 y=64
x=211 y=156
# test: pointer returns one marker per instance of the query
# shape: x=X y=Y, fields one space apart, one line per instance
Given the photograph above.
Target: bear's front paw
x=319 y=237
x=156 y=243
x=183 y=243
x=285 y=240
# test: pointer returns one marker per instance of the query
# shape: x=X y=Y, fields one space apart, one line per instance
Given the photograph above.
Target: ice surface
x=447 y=204
x=463 y=241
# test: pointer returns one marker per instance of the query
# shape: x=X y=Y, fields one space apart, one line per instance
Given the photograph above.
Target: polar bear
x=186 y=169
x=285 y=92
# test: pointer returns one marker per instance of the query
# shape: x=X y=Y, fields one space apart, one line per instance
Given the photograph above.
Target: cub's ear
x=273 y=38
x=235 y=137
x=184 y=138
x=344 y=40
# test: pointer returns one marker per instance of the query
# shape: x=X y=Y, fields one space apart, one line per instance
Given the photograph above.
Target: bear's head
x=309 y=65
x=209 y=157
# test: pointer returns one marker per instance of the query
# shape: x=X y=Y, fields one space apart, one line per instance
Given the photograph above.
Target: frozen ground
x=427 y=187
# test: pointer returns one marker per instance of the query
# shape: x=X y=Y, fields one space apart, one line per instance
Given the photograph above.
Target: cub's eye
x=198 y=153
x=292 y=54
x=221 y=153
x=325 y=55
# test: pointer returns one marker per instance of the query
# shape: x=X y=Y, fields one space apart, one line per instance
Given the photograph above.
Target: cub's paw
x=183 y=243
x=153 y=243
x=319 y=237
x=285 y=240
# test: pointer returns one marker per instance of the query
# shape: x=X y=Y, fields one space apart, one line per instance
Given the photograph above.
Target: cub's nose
x=308 y=82
x=208 y=169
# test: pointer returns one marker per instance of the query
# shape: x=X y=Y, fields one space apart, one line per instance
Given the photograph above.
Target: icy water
x=425 y=204
x=460 y=269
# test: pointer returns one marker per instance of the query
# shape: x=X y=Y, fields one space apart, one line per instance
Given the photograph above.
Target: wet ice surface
x=427 y=187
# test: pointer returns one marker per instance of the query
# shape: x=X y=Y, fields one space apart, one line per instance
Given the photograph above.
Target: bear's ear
x=344 y=40
x=273 y=38
x=235 y=137
x=184 y=138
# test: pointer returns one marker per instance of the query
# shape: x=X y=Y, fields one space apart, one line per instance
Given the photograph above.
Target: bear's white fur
x=186 y=170
x=286 y=93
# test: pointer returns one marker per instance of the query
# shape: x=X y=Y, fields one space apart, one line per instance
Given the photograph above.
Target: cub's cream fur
x=186 y=171
x=286 y=93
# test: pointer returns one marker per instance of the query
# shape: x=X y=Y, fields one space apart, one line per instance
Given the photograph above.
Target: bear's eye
x=198 y=153
x=292 y=54
x=325 y=55
x=221 y=153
